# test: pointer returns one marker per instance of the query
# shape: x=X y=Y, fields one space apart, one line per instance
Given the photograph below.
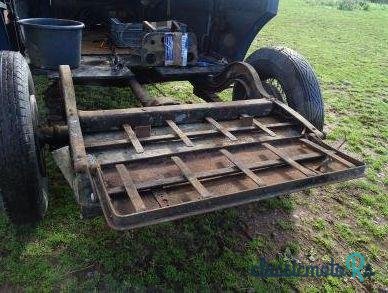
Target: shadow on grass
x=216 y=250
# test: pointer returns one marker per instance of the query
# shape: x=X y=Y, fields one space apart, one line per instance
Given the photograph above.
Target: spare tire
x=22 y=176
x=289 y=77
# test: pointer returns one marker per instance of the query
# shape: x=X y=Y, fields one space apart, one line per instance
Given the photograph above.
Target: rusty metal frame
x=207 y=204
x=247 y=113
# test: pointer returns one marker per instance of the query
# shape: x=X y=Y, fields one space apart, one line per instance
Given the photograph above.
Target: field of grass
x=349 y=50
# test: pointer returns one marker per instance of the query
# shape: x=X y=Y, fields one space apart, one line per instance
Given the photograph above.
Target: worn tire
x=296 y=78
x=22 y=182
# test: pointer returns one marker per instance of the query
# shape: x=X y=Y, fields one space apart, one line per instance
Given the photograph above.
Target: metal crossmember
x=190 y=176
x=180 y=133
x=221 y=129
x=133 y=138
x=326 y=152
x=290 y=161
x=244 y=168
x=246 y=125
x=260 y=125
x=131 y=189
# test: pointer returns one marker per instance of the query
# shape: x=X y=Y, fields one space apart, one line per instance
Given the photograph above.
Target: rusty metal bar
x=105 y=120
x=298 y=117
x=180 y=133
x=133 y=138
x=190 y=176
x=130 y=188
x=243 y=167
x=140 y=93
x=175 y=150
x=221 y=128
x=145 y=99
x=260 y=125
x=77 y=145
x=329 y=153
x=197 y=133
x=228 y=171
x=291 y=162
x=263 y=127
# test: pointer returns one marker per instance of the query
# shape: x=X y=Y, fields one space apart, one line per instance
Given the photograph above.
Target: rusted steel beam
x=328 y=153
x=156 y=116
x=180 y=133
x=263 y=127
x=228 y=171
x=298 y=117
x=195 y=207
x=243 y=167
x=140 y=93
x=190 y=176
x=133 y=138
x=53 y=135
x=123 y=156
x=145 y=99
x=133 y=194
x=195 y=133
x=77 y=145
x=290 y=161
x=220 y=128
x=260 y=125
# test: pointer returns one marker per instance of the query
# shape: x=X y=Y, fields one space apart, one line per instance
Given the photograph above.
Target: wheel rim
x=39 y=148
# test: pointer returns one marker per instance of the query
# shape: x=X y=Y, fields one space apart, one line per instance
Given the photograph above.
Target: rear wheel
x=22 y=176
x=289 y=77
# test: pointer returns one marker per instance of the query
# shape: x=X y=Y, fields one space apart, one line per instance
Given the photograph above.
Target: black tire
x=294 y=80
x=22 y=182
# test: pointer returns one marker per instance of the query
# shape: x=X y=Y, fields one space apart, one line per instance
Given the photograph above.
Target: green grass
x=216 y=251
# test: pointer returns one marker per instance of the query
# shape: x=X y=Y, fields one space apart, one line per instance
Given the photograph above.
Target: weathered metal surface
x=56 y=135
x=303 y=121
x=251 y=173
x=133 y=138
x=145 y=99
x=180 y=133
x=258 y=124
x=174 y=180
x=240 y=72
x=243 y=167
x=221 y=128
x=327 y=152
x=101 y=141
x=191 y=159
x=206 y=175
x=130 y=188
x=203 y=192
x=289 y=161
x=75 y=133
x=181 y=114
